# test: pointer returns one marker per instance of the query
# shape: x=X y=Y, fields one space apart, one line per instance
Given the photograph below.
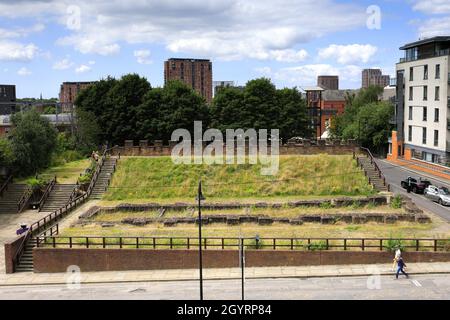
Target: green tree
x=33 y=142
x=169 y=108
x=87 y=131
x=6 y=153
x=292 y=116
x=366 y=119
x=227 y=107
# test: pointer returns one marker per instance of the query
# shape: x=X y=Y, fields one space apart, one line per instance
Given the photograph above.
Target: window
x=411 y=74
x=424 y=135
x=411 y=91
x=436 y=115
x=437 y=92
x=425 y=93
x=438 y=71
x=410 y=115
x=436 y=138
x=409 y=133
x=425 y=114
x=425 y=72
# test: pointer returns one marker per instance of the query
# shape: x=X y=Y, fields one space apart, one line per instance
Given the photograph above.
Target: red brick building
x=196 y=73
x=68 y=93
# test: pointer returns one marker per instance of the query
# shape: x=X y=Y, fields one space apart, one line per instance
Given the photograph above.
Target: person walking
x=400 y=265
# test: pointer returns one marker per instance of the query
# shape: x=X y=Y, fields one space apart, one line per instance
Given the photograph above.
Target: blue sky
x=46 y=42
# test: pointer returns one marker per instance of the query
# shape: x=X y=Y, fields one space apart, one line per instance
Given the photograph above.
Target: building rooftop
x=61 y=118
x=425 y=41
x=190 y=59
x=315 y=88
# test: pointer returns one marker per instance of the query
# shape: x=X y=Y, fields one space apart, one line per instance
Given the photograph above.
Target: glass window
x=411 y=74
x=425 y=93
x=437 y=92
x=436 y=115
x=409 y=133
x=425 y=113
x=411 y=91
x=438 y=71
x=425 y=72
x=436 y=138
x=410 y=116
x=424 y=135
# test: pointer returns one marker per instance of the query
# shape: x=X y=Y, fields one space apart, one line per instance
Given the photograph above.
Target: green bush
x=317 y=245
x=394 y=244
x=396 y=202
x=36 y=183
x=255 y=244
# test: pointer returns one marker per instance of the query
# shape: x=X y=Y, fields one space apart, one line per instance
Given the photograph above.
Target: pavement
x=418 y=287
x=29 y=278
x=395 y=174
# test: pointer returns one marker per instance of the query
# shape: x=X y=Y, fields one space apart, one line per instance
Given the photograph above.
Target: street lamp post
x=199 y=198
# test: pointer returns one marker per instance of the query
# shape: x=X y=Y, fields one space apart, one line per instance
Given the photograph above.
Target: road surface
x=346 y=288
x=395 y=174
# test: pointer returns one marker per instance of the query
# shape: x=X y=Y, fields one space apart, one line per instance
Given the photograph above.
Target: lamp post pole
x=200 y=198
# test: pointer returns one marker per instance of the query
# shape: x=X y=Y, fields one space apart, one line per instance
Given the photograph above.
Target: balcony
x=440 y=53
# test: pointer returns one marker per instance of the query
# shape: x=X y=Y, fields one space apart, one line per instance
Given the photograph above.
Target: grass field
x=157 y=178
x=67 y=173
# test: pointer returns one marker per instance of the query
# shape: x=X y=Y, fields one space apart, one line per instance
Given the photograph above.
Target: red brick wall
x=10 y=250
x=57 y=260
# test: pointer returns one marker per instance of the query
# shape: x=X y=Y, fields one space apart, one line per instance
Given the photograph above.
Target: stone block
x=296 y=222
x=265 y=221
x=311 y=218
x=327 y=220
x=389 y=219
x=359 y=219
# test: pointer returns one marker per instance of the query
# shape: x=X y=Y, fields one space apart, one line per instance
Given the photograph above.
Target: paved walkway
x=28 y=278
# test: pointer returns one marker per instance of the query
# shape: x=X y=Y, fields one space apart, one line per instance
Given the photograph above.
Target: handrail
x=47 y=191
x=4 y=187
x=24 y=199
x=380 y=244
x=21 y=248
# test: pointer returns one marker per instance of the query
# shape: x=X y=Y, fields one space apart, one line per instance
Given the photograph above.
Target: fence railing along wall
x=224 y=243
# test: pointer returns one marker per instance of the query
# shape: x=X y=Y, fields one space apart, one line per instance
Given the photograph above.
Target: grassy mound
x=139 y=178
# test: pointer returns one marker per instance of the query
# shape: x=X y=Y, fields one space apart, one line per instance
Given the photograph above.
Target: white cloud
x=349 y=54
x=24 y=72
x=306 y=75
x=219 y=29
x=143 y=56
x=15 y=51
x=64 y=64
x=91 y=62
x=435 y=27
x=432 y=6
x=83 y=69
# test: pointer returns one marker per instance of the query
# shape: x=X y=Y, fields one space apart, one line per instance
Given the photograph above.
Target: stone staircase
x=11 y=197
x=104 y=178
x=59 y=197
x=372 y=174
x=26 y=260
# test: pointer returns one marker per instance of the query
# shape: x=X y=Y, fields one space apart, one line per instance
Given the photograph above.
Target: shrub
x=394 y=244
x=36 y=183
x=396 y=202
x=316 y=246
x=255 y=243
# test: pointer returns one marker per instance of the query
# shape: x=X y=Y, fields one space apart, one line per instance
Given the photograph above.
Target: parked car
x=414 y=185
x=440 y=195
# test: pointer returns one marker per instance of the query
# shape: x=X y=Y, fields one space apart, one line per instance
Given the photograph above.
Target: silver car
x=440 y=195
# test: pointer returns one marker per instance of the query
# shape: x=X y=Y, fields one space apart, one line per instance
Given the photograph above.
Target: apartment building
x=196 y=73
x=68 y=93
x=328 y=82
x=423 y=102
x=374 y=77
x=7 y=99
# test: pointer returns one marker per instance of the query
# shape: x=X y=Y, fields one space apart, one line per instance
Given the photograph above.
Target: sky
x=46 y=42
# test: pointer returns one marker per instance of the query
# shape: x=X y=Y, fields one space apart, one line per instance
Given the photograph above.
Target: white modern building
x=423 y=102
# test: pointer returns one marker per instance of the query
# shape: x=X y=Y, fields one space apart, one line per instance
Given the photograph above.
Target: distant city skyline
x=46 y=43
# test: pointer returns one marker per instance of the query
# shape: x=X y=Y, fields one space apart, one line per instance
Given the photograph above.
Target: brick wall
x=10 y=250
x=57 y=260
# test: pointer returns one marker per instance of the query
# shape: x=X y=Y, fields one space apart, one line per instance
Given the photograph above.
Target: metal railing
x=24 y=199
x=307 y=244
x=47 y=191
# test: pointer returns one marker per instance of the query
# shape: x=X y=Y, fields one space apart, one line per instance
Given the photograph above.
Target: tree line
x=130 y=109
